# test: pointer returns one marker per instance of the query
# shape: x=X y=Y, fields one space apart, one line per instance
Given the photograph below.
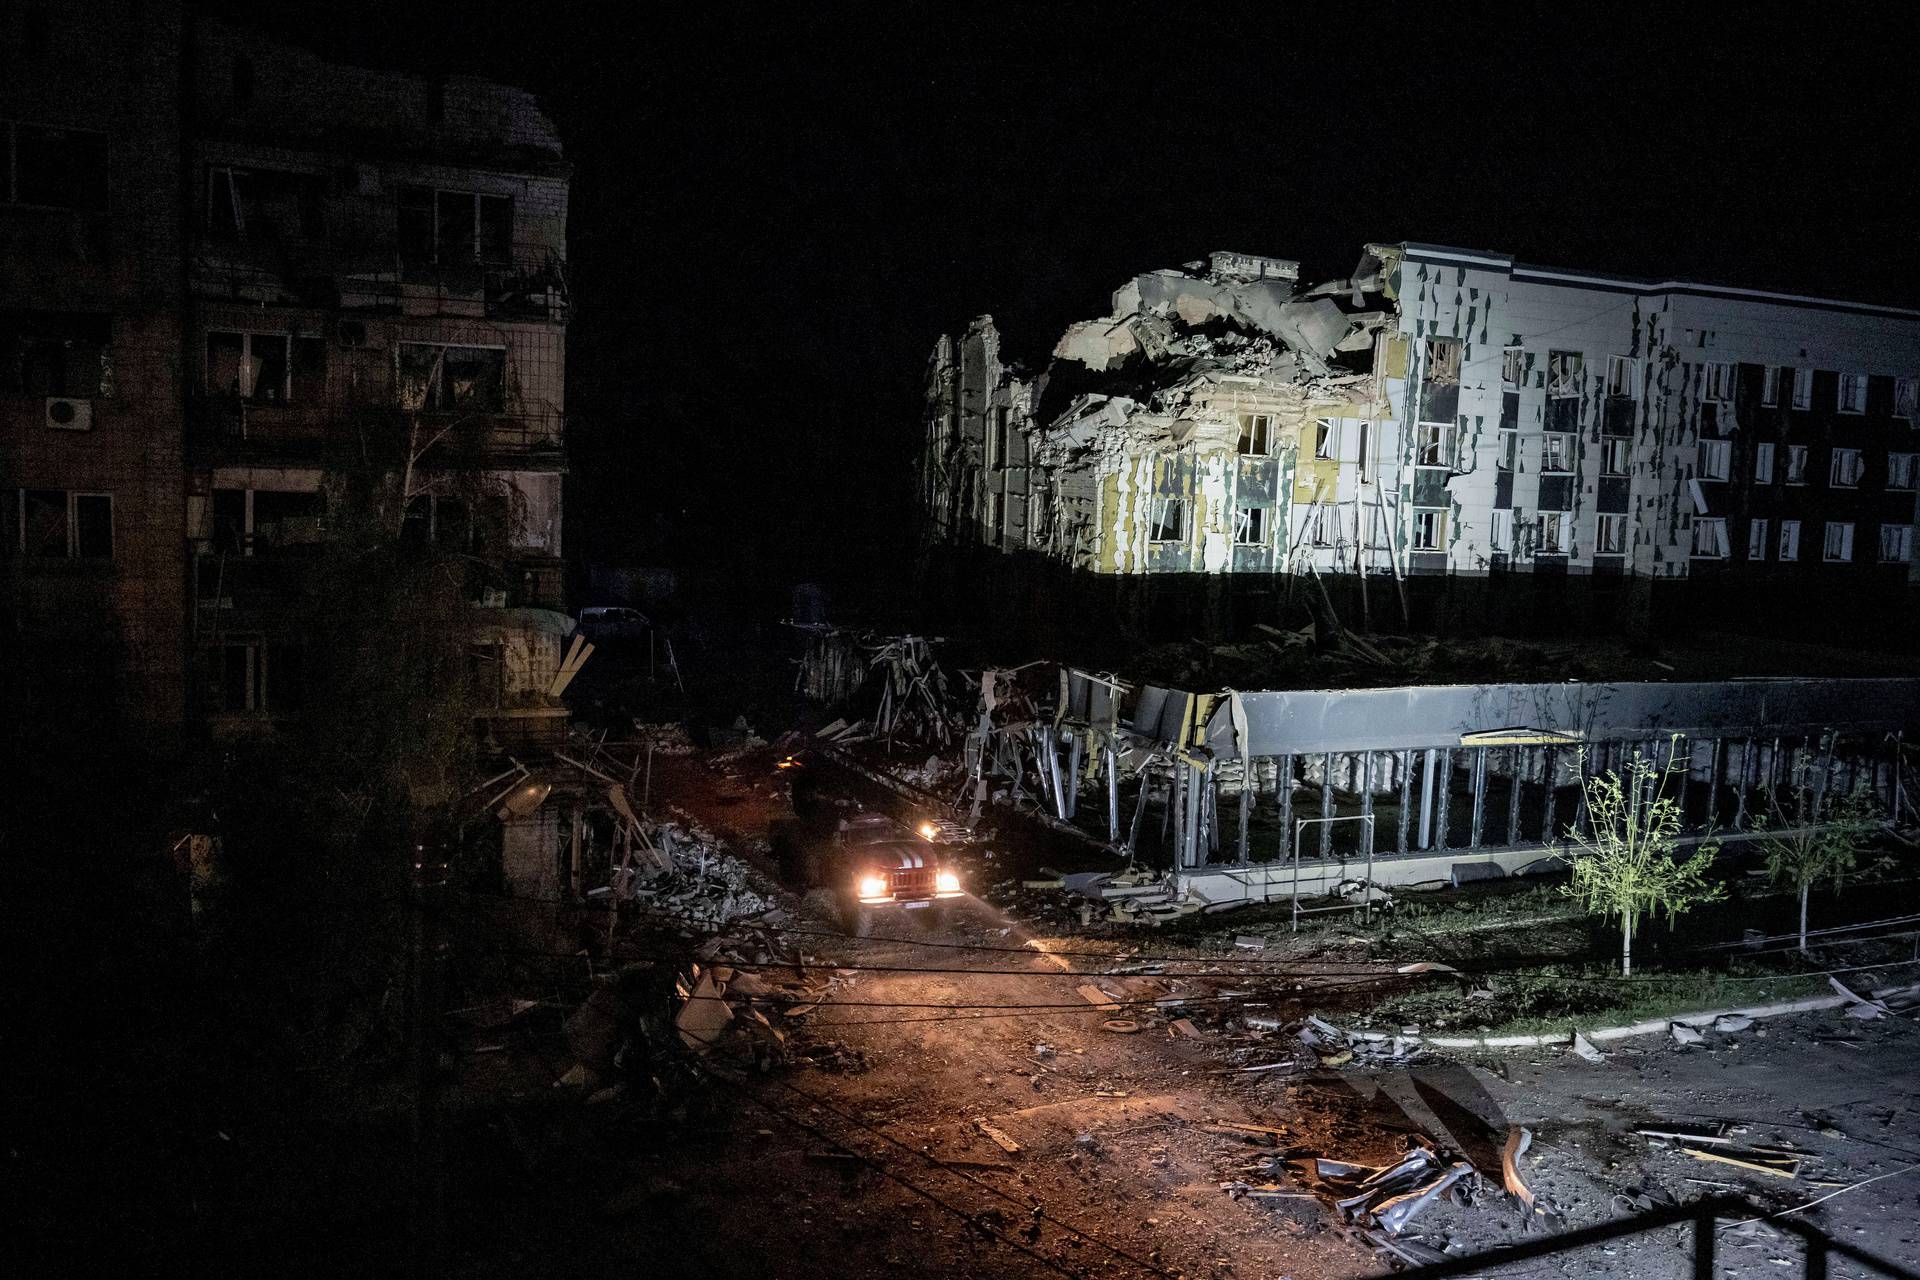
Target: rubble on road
x=1388 y=1196
x=702 y=885
x=666 y=739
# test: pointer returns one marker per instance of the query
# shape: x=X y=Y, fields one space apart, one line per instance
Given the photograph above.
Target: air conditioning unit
x=64 y=413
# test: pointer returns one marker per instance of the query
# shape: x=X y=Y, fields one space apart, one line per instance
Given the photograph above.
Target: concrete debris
x=1584 y=1047
x=668 y=739
x=1859 y=1006
x=1728 y=1022
x=1685 y=1035
x=704 y=885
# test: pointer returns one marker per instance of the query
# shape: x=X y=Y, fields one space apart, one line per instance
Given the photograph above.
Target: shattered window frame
x=1564 y=372
x=1709 y=538
x=1789 y=541
x=1616 y=456
x=1796 y=464
x=1845 y=469
x=1513 y=365
x=428 y=220
x=1610 y=534
x=1717 y=381
x=1896 y=543
x=1803 y=388
x=1507 y=445
x=61 y=524
x=1256 y=435
x=1837 y=542
x=1433 y=445
x=1441 y=361
x=436 y=390
x=1250 y=526
x=1903 y=471
x=251 y=367
x=1326 y=439
x=1429 y=532
x=1556 y=453
x=1757 y=538
x=1906 y=399
x=1162 y=509
x=1623 y=378
x=1850 y=393
x=1500 y=532
x=1714 y=460
x=1555 y=533
x=1770 y=385
x=1763 y=462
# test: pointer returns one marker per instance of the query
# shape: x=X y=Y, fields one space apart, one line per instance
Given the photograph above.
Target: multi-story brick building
x=92 y=553
x=1454 y=416
x=275 y=267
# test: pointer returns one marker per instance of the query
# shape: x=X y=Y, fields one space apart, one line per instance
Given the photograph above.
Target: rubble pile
x=702 y=885
x=889 y=688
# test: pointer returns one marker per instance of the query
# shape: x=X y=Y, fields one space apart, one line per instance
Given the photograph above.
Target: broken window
x=286 y=521
x=437 y=378
x=1320 y=527
x=1906 y=399
x=1716 y=459
x=1844 y=473
x=1556 y=454
x=1853 y=393
x=1623 y=378
x=264 y=206
x=1169 y=520
x=1429 y=529
x=1770 y=385
x=1364 y=452
x=1796 y=464
x=1256 y=434
x=1789 y=540
x=1513 y=364
x=1433 y=445
x=1250 y=526
x=1903 y=470
x=1563 y=372
x=59 y=524
x=1509 y=448
x=45 y=353
x=1555 y=529
x=1756 y=539
x=1616 y=456
x=1803 y=388
x=1710 y=537
x=1611 y=537
x=1763 y=462
x=998 y=443
x=1443 y=362
x=1717 y=382
x=1500 y=533
x=1325 y=435
x=1896 y=542
x=61 y=168
x=251 y=366
x=1839 y=540
x=454 y=226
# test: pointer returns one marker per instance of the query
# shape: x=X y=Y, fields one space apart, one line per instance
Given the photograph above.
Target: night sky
x=776 y=212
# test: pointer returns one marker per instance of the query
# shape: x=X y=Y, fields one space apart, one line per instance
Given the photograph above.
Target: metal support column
x=1283 y=778
x=1426 y=798
x=1746 y=776
x=1552 y=765
x=1326 y=804
x=1445 y=770
x=1716 y=762
x=1247 y=772
x=1406 y=799
x=1517 y=758
x=1476 y=826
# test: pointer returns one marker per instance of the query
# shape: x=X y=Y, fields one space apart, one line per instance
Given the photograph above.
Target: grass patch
x=1555 y=998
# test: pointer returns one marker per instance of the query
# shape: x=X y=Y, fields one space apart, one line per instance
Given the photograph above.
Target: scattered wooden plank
x=1774 y=1166
x=1097 y=998
x=998 y=1138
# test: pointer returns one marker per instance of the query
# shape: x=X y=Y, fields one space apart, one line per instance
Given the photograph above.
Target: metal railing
x=1704 y=1216
x=528 y=281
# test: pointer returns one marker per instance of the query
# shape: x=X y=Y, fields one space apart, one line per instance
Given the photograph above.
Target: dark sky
x=775 y=212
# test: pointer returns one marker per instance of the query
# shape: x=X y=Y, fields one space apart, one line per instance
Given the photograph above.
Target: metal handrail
x=1703 y=1215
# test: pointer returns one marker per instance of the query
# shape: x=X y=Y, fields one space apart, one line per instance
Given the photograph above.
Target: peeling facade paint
x=1440 y=411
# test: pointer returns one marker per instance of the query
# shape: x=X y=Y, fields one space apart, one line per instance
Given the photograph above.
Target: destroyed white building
x=1442 y=417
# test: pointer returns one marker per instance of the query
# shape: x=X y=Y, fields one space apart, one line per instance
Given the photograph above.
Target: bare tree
x=1810 y=835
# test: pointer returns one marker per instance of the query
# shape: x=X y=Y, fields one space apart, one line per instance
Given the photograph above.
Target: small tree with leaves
x=1625 y=864
x=1813 y=835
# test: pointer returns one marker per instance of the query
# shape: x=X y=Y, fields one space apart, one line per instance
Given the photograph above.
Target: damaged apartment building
x=235 y=270
x=1445 y=437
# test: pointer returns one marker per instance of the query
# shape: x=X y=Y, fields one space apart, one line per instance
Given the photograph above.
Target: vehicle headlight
x=928 y=831
x=873 y=886
x=947 y=882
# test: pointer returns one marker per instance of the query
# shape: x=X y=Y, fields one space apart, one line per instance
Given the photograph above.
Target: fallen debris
x=1519 y=1138
x=1775 y=1164
x=1389 y=1196
x=999 y=1138
x=1584 y=1047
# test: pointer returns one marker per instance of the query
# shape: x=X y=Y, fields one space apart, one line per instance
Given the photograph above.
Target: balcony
x=528 y=283
x=228 y=429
